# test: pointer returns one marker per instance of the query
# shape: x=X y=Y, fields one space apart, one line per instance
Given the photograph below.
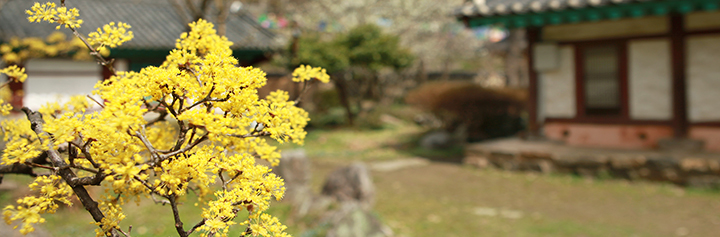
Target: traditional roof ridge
x=157 y=22
x=537 y=13
x=486 y=8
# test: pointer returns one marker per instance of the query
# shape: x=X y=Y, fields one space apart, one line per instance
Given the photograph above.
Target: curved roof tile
x=156 y=22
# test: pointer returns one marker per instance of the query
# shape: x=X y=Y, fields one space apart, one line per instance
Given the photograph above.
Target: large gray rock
x=436 y=140
x=352 y=220
x=351 y=184
x=294 y=168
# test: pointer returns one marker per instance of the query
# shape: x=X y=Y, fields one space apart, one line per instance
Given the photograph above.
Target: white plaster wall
x=122 y=65
x=703 y=78
x=558 y=86
x=58 y=79
x=650 y=79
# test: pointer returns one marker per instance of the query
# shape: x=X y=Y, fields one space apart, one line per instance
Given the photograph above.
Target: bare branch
x=261 y=134
x=17 y=168
x=302 y=92
x=93 y=52
x=148 y=145
x=201 y=223
x=176 y=215
x=97 y=102
x=158 y=119
x=163 y=202
x=186 y=148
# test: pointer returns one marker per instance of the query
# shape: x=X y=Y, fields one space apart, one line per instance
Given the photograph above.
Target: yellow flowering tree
x=193 y=123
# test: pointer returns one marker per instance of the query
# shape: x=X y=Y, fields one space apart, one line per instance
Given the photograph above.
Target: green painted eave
x=594 y=14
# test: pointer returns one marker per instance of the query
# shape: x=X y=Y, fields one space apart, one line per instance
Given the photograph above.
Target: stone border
x=687 y=171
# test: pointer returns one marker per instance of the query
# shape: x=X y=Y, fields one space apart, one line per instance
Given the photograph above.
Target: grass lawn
x=448 y=199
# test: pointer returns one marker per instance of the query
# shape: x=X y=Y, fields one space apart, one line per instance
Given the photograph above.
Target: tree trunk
x=341 y=87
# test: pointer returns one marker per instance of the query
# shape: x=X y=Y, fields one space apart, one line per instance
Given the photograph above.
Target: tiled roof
x=504 y=7
x=156 y=23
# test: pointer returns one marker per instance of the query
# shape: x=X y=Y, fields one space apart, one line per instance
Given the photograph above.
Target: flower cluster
x=55 y=45
x=111 y=35
x=52 y=190
x=194 y=123
x=14 y=73
x=50 y=13
x=306 y=73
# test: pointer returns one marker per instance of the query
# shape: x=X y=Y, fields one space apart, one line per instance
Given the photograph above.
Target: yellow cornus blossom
x=50 y=13
x=193 y=123
x=52 y=190
x=15 y=73
x=111 y=35
x=306 y=73
x=18 y=50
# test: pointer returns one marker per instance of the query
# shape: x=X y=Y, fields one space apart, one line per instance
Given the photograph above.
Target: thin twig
x=93 y=52
x=161 y=117
x=41 y=166
x=186 y=148
x=302 y=92
x=5 y=84
x=97 y=102
x=148 y=145
x=222 y=179
x=163 y=202
x=261 y=134
x=201 y=223
x=123 y=232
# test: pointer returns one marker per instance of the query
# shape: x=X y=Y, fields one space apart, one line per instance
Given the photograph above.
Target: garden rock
x=351 y=184
x=294 y=168
x=436 y=140
x=352 y=220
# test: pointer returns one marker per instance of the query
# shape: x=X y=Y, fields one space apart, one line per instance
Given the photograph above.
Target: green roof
x=581 y=13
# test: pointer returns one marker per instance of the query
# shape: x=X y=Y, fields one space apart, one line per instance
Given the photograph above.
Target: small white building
x=620 y=73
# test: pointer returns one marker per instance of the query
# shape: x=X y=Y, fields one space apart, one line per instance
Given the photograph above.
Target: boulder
x=351 y=184
x=294 y=168
x=352 y=220
x=436 y=140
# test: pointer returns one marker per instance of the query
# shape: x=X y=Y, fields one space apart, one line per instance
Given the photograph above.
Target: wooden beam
x=677 y=42
x=533 y=35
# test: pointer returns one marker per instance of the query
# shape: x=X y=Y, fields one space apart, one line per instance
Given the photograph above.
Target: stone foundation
x=687 y=169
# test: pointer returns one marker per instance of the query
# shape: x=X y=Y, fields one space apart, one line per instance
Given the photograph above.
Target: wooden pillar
x=677 y=42
x=533 y=35
x=106 y=73
x=17 y=92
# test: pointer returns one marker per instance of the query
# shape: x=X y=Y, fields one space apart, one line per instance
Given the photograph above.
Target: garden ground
x=444 y=198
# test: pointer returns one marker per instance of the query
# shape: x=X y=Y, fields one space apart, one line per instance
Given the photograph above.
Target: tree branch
x=176 y=215
x=201 y=223
x=186 y=148
x=36 y=123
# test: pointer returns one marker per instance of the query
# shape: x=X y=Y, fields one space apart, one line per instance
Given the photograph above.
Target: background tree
x=355 y=59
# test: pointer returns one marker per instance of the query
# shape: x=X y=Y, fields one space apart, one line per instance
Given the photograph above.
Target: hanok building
x=156 y=25
x=617 y=73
